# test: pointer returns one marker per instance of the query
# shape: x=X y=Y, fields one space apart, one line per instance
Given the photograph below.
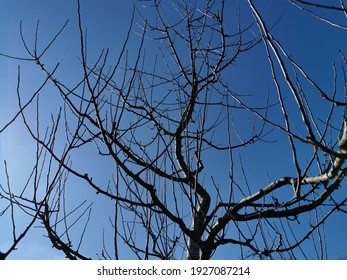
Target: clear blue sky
x=314 y=44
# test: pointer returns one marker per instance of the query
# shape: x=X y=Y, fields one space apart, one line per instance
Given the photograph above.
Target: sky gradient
x=314 y=44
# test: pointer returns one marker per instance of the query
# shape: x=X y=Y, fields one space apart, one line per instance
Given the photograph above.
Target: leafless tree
x=177 y=135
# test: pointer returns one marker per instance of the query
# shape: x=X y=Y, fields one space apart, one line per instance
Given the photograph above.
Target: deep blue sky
x=314 y=44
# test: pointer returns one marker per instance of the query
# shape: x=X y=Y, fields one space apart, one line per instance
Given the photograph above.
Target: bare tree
x=177 y=136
